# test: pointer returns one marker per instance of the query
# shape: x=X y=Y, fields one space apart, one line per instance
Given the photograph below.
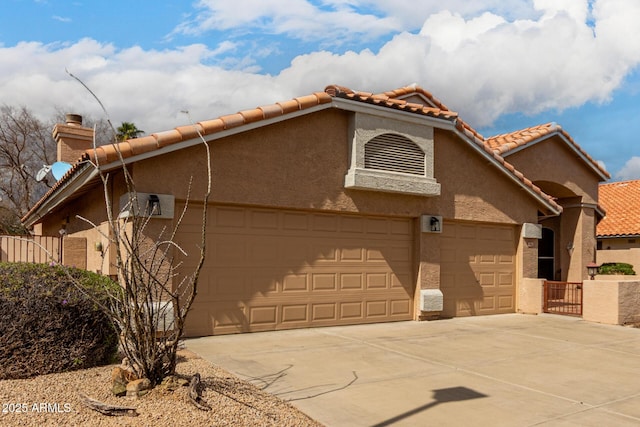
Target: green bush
x=48 y=325
x=616 y=268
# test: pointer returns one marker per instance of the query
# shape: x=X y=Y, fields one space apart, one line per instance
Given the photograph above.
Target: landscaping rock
x=137 y=388
x=172 y=383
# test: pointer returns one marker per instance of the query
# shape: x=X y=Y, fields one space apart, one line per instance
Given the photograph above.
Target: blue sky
x=502 y=64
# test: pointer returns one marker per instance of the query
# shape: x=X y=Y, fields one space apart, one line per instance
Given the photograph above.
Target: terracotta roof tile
x=389 y=100
x=269 y=111
x=212 y=126
x=190 y=131
x=289 y=106
x=138 y=146
x=621 y=201
x=167 y=137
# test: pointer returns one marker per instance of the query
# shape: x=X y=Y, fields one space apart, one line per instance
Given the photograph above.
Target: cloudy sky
x=502 y=64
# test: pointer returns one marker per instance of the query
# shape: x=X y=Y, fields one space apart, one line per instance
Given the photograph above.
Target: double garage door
x=276 y=269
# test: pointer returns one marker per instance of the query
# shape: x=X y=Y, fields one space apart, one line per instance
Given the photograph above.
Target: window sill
x=391 y=182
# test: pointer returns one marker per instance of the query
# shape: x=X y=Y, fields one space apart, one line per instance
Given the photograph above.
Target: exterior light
x=592 y=269
x=154 y=205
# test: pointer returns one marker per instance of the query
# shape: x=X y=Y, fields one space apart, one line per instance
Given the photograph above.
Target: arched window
x=394 y=153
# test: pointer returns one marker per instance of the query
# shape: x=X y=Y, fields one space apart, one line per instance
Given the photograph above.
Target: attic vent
x=394 y=153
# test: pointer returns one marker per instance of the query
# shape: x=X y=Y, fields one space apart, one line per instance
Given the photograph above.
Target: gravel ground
x=52 y=400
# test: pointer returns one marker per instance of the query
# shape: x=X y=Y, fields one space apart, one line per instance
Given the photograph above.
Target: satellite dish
x=58 y=169
x=43 y=172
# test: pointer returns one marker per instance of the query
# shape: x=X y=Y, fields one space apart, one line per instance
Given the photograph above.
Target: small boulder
x=137 y=388
x=172 y=383
x=119 y=380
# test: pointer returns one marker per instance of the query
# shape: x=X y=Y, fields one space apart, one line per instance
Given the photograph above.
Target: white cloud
x=300 y=19
x=482 y=59
x=61 y=18
x=631 y=170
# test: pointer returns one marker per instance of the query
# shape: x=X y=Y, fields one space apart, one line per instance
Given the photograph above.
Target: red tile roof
x=621 y=201
x=392 y=99
x=507 y=142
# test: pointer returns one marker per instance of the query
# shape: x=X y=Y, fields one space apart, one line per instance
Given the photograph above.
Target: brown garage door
x=272 y=269
x=477 y=269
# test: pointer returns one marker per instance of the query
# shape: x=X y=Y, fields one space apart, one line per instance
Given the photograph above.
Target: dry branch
x=107 y=409
x=194 y=394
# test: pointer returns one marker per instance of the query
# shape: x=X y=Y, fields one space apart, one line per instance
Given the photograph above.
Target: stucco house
x=346 y=207
x=618 y=233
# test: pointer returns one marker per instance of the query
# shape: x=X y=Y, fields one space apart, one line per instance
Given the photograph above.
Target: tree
x=128 y=130
x=26 y=145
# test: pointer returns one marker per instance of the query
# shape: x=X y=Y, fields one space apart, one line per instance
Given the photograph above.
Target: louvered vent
x=394 y=153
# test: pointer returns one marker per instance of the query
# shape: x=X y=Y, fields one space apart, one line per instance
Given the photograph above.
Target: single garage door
x=477 y=269
x=274 y=269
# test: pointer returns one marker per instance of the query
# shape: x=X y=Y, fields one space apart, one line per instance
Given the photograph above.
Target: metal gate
x=563 y=298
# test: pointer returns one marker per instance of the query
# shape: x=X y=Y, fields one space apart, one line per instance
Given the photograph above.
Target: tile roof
x=507 y=142
x=111 y=153
x=390 y=100
x=621 y=200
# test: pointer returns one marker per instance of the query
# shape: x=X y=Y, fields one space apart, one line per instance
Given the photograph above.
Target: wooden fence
x=38 y=249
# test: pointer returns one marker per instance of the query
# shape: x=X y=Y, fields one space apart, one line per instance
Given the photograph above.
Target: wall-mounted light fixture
x=592 y=269
x=431 y=224
x=153 y=207
x=98 y=246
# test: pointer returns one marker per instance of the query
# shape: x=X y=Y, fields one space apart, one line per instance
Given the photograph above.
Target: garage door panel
x=377 y=308
x=324 y=282
x=400 y=307
x=324 y=223
x=294 y=283
x=351 y=310
x=263 y=315
x=327 y=312
x=230 y=218
x=352 y=254
x=351 y=281
x=264 y=220
x=270 y=269
x=377 y=281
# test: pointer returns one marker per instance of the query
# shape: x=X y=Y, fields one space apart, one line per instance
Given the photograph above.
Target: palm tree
x=128 y=130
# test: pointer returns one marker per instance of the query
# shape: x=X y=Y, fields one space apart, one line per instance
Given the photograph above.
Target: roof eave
x=75 y=182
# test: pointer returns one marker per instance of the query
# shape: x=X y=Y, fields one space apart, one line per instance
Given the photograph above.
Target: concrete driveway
x=505 y=370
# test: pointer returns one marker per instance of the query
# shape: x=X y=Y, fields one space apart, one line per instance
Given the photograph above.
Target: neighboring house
x=344 y=207
x=618 y=233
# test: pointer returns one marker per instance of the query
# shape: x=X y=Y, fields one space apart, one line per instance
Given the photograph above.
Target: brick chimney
x=72 y=139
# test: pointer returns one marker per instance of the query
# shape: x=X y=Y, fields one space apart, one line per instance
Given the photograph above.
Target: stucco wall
x=620 y=243
x=611 y=301
x=302 y=163
x=629 y=256
x=552 y=160
x=530 y=295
